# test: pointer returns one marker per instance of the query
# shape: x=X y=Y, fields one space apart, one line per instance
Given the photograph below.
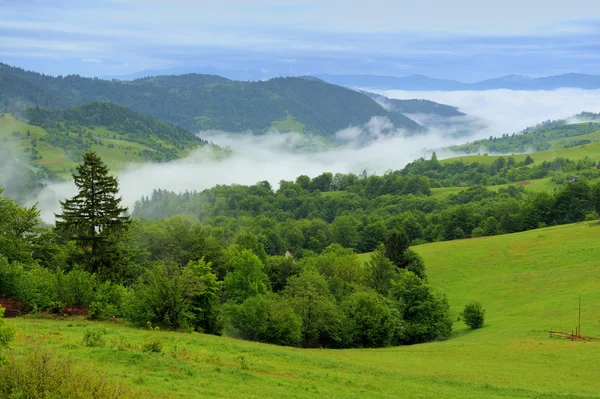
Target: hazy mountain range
x=209 y=102
x=412 y=82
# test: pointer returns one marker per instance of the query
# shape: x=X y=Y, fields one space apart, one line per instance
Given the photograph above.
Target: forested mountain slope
x=53 y=141
x=199 y=102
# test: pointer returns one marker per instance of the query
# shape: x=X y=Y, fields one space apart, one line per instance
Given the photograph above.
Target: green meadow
x=115 y=150
x=590 y=150
x=529 y=282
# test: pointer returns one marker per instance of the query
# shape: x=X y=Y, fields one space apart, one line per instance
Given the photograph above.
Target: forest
x=204 y=102
x=359 y=212
x=175 y=274
x=154 y=133
x=277 y=266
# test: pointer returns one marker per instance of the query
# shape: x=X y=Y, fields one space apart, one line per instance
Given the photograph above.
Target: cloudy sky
x=461 y=39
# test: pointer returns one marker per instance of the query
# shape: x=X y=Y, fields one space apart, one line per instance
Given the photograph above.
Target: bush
x=153 y=345
x=94 y=337
x=368 y=321
x=43 y=375
x=473 y=315
x=107 y=302
x=7 y=333
x=425 y=313
x=75 y=288
x=172 y=297
x=266 y=318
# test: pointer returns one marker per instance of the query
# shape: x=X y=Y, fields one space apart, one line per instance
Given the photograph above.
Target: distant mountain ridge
x=210 y=102
x=421 y=82
x=383 y=82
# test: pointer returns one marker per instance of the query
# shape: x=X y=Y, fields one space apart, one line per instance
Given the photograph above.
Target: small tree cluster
x=473 y=315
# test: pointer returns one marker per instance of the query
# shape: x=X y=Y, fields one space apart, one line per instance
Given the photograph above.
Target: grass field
x=529 y=282
x=591 y=150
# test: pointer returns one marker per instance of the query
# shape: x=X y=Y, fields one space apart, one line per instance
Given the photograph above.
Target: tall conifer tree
x=94 y=217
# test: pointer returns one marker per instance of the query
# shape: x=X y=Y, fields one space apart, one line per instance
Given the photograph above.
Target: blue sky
x=461 y=39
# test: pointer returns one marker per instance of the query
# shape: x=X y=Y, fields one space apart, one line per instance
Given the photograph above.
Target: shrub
x=473 y=315
x=153 y=345
x=108 y=302
x=368 y=321
x=94 y=337
x=7 y=333
x=425 y=313
x=44 y=375
x=169 y=296
x=75 y=288
x=266 y=318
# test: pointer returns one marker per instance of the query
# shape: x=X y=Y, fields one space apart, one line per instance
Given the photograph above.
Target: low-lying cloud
x=510 y=111
x=274 y=156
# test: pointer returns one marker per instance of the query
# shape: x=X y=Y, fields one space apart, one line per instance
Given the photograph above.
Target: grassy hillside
x=591 y=150
x=545 y=136
x=52 y=143
x=198 y=102
x=529 y=282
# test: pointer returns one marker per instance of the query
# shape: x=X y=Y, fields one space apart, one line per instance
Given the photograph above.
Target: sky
x=467 y=40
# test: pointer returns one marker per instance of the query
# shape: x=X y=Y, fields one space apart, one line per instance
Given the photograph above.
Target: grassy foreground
x=529 y=282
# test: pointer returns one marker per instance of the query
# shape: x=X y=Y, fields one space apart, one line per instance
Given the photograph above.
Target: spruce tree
x=395 y=248
x=94 y=217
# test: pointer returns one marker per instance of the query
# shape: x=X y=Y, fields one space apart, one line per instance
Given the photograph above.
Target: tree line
x=174 y=274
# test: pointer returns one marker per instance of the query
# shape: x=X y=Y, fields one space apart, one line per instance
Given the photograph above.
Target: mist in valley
x=275 y=157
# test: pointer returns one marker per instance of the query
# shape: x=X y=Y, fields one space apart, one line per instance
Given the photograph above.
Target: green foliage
x=94 y=337
x=425 y=314
x=160 y=136
x=395 y=248
x=153 y=345
x=247 y=277
x=368 y=321
x=344 y=231
x=94 y=217
x=341 y=268
x=203 y=292
x=199 y=102
x=309 y=296
x=75 y=288
x=7 y=334
x=280 y=269
x=18 y=230
x=473 y=315
x=537 y=138
x=175 y=297
x=266 y=318
x=107 y=302
x=43 y=375
x=380 y=271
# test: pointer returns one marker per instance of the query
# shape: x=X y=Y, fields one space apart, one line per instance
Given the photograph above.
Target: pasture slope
x=590 y=150
x=528 y=282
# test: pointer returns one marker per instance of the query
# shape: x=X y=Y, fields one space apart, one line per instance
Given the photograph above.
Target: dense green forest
x=416 y=106
x=277 y=266
x=307 y=215
x=544 y=136
x=210 y=102
x=176 y=274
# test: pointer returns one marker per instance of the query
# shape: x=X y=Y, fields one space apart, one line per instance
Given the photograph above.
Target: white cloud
x=510 y=111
